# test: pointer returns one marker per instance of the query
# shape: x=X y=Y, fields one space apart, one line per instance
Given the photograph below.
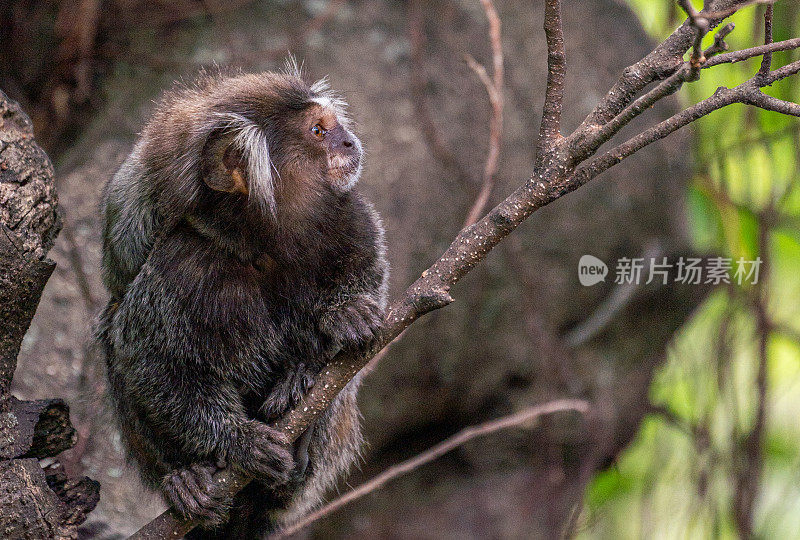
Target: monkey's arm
x=350 y=314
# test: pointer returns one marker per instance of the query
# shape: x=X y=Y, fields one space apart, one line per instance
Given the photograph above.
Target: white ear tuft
x=252 y=143
x=322 y=86
x=254 y=146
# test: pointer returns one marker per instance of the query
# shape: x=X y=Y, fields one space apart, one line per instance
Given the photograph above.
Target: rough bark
x=42 y=428
x=34 y=503
x=29 y=222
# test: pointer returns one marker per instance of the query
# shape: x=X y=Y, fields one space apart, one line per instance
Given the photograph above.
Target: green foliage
x=678 y=479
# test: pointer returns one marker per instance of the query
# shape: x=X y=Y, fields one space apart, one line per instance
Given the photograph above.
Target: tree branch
x=752 y=52
x=747 y=93
x=550 y=128
x=766 y=61
x=660 y=63
x=719 y=41
x=763 y=101
x=701 y=26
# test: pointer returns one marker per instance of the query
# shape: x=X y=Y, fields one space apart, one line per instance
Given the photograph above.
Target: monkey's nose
x=347 y=143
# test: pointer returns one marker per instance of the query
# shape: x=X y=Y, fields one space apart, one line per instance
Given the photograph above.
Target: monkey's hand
x=194 y=494
x=353 y=323
x=262 y=452
x=287 y=393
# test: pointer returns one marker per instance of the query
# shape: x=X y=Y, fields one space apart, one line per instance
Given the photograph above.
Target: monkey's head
x=269 y=141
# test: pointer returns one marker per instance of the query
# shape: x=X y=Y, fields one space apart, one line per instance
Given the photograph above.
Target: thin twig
x=701 y=25
x=749 y=475
x=766 y=61
x=769 y=103
x=523 y=418
x=719 y=41
x=494 y=88
x=752 y=52
x=436 y=143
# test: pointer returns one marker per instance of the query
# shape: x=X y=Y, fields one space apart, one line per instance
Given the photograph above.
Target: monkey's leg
x=333 y=447
x=207 y=420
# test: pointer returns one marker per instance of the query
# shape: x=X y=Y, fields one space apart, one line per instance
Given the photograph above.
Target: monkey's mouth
x=344 y=170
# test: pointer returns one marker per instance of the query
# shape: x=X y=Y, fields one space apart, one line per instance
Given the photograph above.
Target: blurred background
x=695 y=389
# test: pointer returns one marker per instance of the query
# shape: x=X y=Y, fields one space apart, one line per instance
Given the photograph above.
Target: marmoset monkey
x=239 y=260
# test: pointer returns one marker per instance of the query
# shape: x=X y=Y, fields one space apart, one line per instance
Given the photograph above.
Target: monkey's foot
x=263 y=453
x=193 y=494
x=287 y=393
x=353 y=323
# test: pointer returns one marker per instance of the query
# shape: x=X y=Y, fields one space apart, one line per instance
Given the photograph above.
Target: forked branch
x=550 y=128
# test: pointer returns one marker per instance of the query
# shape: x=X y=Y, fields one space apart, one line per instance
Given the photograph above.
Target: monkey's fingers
x=287 y=394
x=272 y=463
x=362 y=319
x=276 y=403
x=213 y=504
x=176 y=493
x=192 y=501
x=353 y=324
x=263 y=452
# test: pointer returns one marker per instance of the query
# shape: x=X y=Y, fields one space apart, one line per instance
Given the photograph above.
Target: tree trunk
x=35 y=502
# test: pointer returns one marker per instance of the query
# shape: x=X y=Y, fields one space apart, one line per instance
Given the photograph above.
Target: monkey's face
x=313 y=144
x=337 y=150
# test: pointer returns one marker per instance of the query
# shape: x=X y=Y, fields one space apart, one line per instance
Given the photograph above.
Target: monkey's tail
x=335 y=446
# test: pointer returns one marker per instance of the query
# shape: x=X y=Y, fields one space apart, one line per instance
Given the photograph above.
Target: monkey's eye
x=318 y=130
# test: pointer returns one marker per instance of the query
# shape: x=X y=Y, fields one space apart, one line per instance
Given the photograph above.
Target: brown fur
x=240 y=260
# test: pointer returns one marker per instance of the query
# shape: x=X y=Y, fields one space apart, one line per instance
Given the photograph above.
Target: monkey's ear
x=225 y=169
